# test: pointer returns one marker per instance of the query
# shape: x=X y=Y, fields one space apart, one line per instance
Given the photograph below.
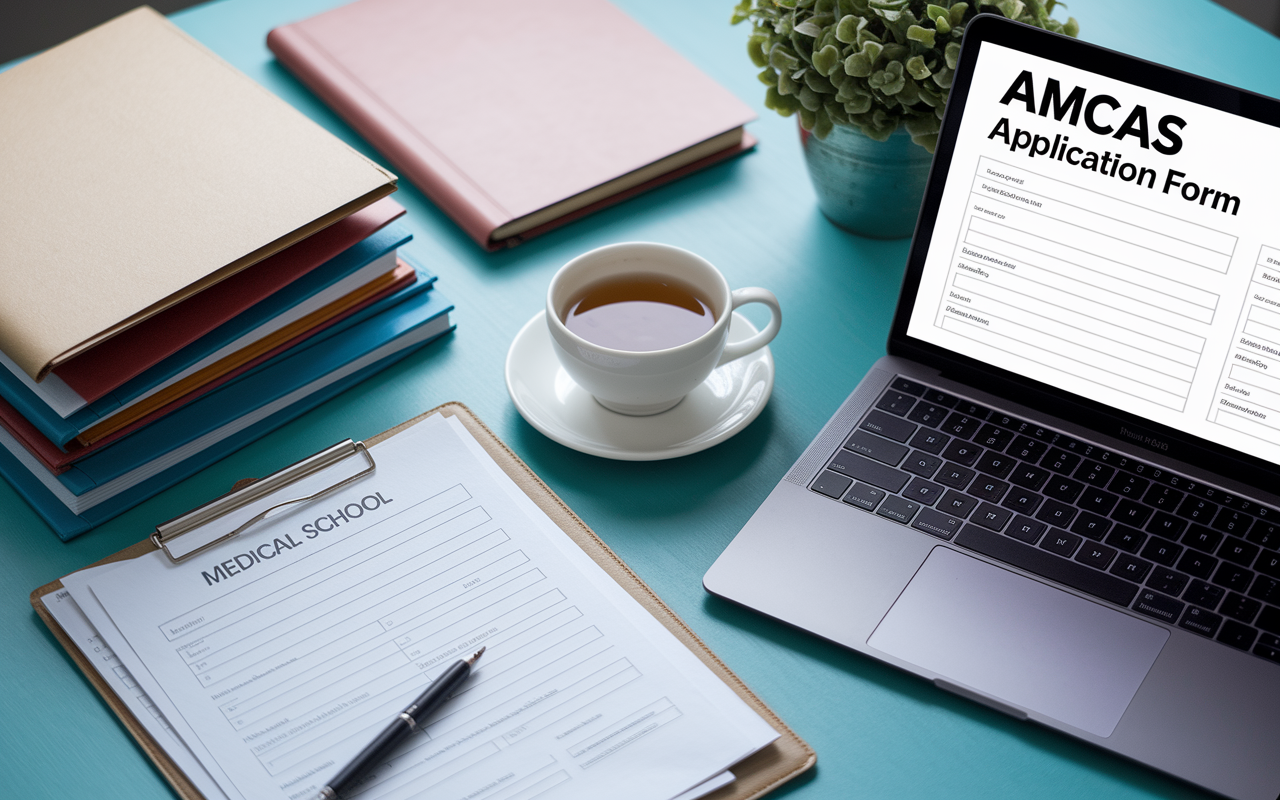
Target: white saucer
x=726 y=402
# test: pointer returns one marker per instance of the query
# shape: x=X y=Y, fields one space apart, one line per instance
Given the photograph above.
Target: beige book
x=138 y=169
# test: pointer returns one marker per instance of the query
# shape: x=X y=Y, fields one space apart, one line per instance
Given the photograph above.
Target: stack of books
x=188 y=263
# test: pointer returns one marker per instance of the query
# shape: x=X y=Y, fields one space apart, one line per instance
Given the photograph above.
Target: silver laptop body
x=1052 y=496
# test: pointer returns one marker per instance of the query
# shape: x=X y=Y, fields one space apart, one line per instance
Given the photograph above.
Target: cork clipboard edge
x=754 y=776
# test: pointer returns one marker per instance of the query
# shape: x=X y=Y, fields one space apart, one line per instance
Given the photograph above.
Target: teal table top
x=878 y=733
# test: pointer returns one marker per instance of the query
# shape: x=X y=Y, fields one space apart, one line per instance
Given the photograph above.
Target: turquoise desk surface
x=878 y=733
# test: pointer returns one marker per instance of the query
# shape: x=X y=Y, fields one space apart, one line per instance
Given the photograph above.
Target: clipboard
x=784 y=759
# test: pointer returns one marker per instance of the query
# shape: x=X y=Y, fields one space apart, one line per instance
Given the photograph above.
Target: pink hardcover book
x=515 y=117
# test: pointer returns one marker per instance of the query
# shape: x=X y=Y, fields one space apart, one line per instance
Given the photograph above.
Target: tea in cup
x=639 y=325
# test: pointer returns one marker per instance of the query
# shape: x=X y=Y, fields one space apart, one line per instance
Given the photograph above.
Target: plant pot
x=867 y=187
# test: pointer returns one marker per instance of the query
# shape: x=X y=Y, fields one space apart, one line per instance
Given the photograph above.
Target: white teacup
x=643 y=382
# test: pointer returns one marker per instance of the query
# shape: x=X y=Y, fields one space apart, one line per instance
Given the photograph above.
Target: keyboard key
x=1096 y=555
x=1237 y=634
x=1265 y=532
x=1130 y=512
x=1161 y=551
x=930 y=441
x=1167 y=526
x=973 y=409
x=877 y=447
x=896 y=403
x=962 y=452
x=1237 y=606
x=1203 y=622
x=908 y=386
x=1126 y=566
x=1198 y=564
x=957 y=504
x=1061 y=461
x=831 y=484
x=1154 y=604
x=940 y=398
x=928 y=414
x=1269 y=620
x=1166 y=581
x=864 y=496
x=1053 y=437
x=1029 y=477
x=924 y=492
x=898 y=509
x=1127 y=485
x=1268 y=563
x=1091 y=526
x=954 y=475
x=944 y=526
x=1026 y=529
x=1023 y=501
x=988 y=488
x=1233 y=522
x=896 y=429
x=1060 y=542
x=1027 y=449
x=1202 y=538
x=864 y=469
x=1268 y=646
x=994 y=437
x=961 y=425
x=1094 y=474
x=1045 y=564
x=1197 y=510
x=1266 y=589
x=1126 y=538
x=1233 y=577
x=1164 y=498
x=1056 y=513
x=1098 y=501
x=1005 y=421
x=1238 y=551
x=922 y=463
x=989 y=516
x=995 y=464
x=1064 y=489
x=1203 y=594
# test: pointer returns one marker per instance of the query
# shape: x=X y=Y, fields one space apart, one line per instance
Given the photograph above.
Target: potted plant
x=869 y=80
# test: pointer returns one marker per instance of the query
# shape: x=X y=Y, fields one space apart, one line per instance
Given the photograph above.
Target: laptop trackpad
x=1020 y=641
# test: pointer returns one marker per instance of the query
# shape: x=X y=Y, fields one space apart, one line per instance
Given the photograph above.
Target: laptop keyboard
x=1119 y=529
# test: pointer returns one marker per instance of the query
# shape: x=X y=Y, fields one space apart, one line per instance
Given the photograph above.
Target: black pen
x=400 y=728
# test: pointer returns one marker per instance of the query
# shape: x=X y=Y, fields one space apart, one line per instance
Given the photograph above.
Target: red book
x=57 y=461
x=108 y=365
x=515 y=117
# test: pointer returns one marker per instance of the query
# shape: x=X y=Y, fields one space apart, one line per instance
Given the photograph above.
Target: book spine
x=406 y=148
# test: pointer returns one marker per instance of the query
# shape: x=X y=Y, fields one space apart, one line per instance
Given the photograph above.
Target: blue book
x=227 y=419
x=60 y=430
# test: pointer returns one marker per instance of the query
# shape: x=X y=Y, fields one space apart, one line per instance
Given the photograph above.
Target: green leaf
x=808 y=29
x=822 y=124
x=755 y=49
x=922 y=35
x=957 y=13
x=1072 y=28
x=943 y=26
x=807 y=118
x=809 y=98
x=826 y=59
x=857 y=65
x=787 y=85
x=769 y=77
x=818 y=83
x=782 y=58
x=847 y=28
x=952 y=55
x=872 y=51
x=917 y=69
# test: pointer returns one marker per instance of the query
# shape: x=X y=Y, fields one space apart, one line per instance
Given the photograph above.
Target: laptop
x=1057 y=495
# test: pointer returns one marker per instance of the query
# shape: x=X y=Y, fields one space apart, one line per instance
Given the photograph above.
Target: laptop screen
x=1110 y=239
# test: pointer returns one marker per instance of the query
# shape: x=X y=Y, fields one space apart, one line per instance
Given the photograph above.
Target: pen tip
x=477 y=655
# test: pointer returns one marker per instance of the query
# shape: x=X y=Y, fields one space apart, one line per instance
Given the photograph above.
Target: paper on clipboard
x=583 y=702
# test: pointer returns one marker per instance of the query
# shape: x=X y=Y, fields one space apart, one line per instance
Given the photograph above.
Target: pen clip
x=167 y=532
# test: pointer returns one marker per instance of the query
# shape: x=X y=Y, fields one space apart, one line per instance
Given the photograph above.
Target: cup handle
x=741 y=297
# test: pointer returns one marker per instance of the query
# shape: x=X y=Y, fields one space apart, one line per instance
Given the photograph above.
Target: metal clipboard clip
x=167 y=532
